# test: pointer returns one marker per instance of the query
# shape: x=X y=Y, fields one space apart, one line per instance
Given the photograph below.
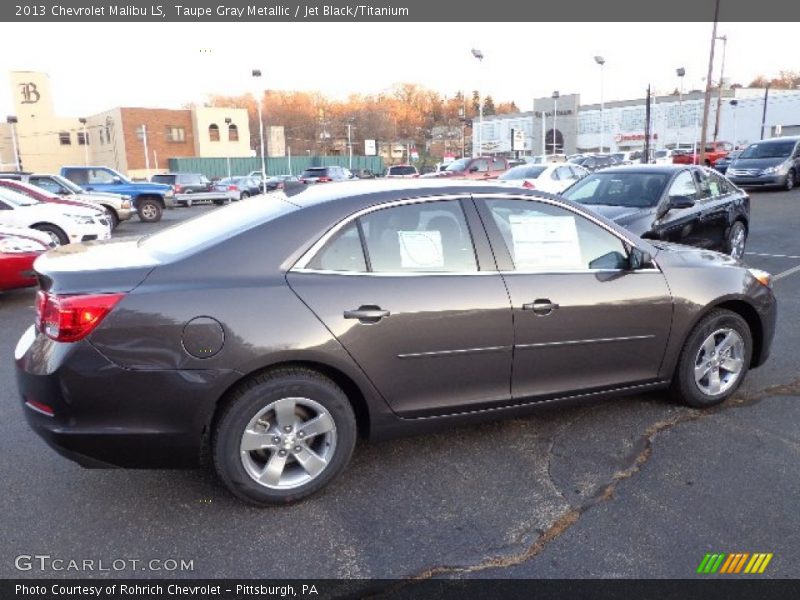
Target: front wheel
x=113 y=219
x=714 y=360
x=737 y=238
x=149 y=211
x=57 y=235
x=284 y=435
x=790 y=180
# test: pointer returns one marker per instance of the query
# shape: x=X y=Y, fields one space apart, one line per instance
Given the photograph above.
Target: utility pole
x=707 y=97
x=724 y=39
x=646 y=156
x=764 y=114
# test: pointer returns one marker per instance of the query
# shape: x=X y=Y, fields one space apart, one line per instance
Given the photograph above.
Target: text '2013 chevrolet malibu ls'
x=270 y=334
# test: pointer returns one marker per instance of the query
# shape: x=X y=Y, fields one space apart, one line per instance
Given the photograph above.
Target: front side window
x=480 y=166
x=429 y=237
x=99 y=176
x=542 y=237
x=47 y=184
x=683 y=186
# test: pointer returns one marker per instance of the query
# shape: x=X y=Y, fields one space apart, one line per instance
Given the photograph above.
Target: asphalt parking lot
x=634 y=487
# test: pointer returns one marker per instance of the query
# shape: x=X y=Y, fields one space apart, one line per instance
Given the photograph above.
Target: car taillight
x=233 y=188
x=324 y=180
x=72 y=318
x=178 y=189
x=529 y=185
x=279 y=186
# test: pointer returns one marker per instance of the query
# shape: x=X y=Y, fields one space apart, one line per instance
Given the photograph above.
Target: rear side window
x=402 y=171
x=343 y=252
x=168 y=179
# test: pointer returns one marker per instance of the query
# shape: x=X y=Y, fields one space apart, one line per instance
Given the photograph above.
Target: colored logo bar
x=731 y=564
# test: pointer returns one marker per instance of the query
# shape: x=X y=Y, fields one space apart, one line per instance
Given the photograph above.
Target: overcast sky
x=94 y=67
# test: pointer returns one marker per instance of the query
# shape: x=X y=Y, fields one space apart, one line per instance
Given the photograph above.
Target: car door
x=583 y=321
x=680 y=225
x=712 y=208
x=402 y=290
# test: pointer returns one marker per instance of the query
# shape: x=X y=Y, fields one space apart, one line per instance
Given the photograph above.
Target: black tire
x=244 y=195
x=254 y=396
x=112 y=217
x=731 y=243
x=149 y=210
x=56 y=233
x=684 y=386
x=188 y=203
x=791 y=179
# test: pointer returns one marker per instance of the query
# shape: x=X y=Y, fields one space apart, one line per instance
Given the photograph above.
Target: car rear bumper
x=107 y=416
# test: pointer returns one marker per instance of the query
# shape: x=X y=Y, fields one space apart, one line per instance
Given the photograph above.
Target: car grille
x=744 y=172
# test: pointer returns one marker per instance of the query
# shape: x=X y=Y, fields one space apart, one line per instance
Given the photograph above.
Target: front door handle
x=541 y=306
x=367 y=314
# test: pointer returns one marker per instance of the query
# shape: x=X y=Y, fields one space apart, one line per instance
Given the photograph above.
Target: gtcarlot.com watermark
x=46 y=563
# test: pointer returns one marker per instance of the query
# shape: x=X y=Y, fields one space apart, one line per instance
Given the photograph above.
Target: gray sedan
x=268 y=336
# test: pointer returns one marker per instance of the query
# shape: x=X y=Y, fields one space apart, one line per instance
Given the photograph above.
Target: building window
x=83 y=139
x=213 y=132
x=64 y=138
x=176 y=134
x=233 y=133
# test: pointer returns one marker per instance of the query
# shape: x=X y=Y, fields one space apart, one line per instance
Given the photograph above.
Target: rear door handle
x=541 y=306
x=367 y=314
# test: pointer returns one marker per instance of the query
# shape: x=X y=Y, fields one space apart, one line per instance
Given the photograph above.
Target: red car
x=40 y=194
x=18 y=249
x=714 y=151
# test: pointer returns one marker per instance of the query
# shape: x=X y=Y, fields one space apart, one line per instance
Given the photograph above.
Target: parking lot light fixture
x=256 y=75
x=601 y=61
x=556 y=96
x=479 y=55
x=681 y=72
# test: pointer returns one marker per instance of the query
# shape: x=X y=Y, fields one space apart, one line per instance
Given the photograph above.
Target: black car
x=184 y=183
x=595 y=162
x=267 y=336
x=676 y=203
x=723 y=163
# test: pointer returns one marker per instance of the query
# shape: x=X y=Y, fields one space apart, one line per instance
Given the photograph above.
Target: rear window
x=316 y=172
x=213 y=227
x=407 y=170
x=168 y=179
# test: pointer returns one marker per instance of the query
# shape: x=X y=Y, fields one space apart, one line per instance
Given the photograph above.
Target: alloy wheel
x=719 y=362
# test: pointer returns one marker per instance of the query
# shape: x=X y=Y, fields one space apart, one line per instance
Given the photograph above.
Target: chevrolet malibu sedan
x=675 y=203
x=268 y=336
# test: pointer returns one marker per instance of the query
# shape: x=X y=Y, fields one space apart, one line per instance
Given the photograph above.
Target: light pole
x=257 y=74
x=724 y=39
x=680 y=72
x=349 y=143
x=479 y=55
x=12 y=120
x=601 y=61
x=734 y=104
x=82 y=121
x=556 y=95
x=707 y=96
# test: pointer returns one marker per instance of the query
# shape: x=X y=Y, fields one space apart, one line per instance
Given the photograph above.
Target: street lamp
x=349 y=142
x=680 y=72
x=82 y=121
x=601 y=61
x=556 y=96
x=734 y=104
x=12 y=120
x=479 y=55
x=257 y=74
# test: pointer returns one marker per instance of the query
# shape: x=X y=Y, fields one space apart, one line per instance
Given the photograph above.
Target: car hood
x=757 y=163
x=63 y=207
x=691 y=255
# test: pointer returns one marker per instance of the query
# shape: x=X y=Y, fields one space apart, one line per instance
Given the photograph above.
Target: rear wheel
x=113 y=219
x=737 y=238
x=57 y=235
x=188 y=202
x=714 y=360
x=283 y=436
x=149 y=210
x=791 y=179
x=244 y=195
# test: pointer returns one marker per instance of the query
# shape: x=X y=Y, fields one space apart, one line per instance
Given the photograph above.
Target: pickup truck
x=714 y=152
x=149 y=199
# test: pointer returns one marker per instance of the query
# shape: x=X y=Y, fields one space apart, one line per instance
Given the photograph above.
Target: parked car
x=684 y=204
x=325 y=174
x=190 y=188
x=723 y=163
x=595 y=162
x=774 y=163
x=364 y=173
x=401 y=171
x=553 y=178
x=149 y=199
x=482 y=167
x=543 y=159
x=238 y=188
x=118 y=206
x=714 y=151
x=665 y=156
x=63 y=223
x=18 y=249
x=628 y=157
x=273 y=367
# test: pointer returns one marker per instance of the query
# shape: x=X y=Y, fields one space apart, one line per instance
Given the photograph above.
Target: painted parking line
x=772 y=255
x=786 y=273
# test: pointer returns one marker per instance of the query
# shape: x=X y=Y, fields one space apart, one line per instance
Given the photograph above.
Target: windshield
x=458 y=165
x=168 y=179
x=408 y=170
x=16 y=198
x=72 y=187
x=638 y=190
x=522 y=172
x=660 y=153
x=314 y=172
x=621 y=155
x=769 y=150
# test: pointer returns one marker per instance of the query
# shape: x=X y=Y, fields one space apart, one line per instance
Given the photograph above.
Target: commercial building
x=563 y=125
x=135 y=141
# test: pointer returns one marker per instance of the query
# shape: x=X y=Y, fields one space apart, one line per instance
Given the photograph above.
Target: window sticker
x=421 y=249
x=714 y=187
x=545 y=242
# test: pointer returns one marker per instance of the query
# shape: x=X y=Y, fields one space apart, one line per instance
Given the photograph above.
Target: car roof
x=668 y=169
x=792 y=138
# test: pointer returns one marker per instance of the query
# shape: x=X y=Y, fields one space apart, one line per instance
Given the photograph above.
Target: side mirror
x=638 y=259
x=681 y=202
